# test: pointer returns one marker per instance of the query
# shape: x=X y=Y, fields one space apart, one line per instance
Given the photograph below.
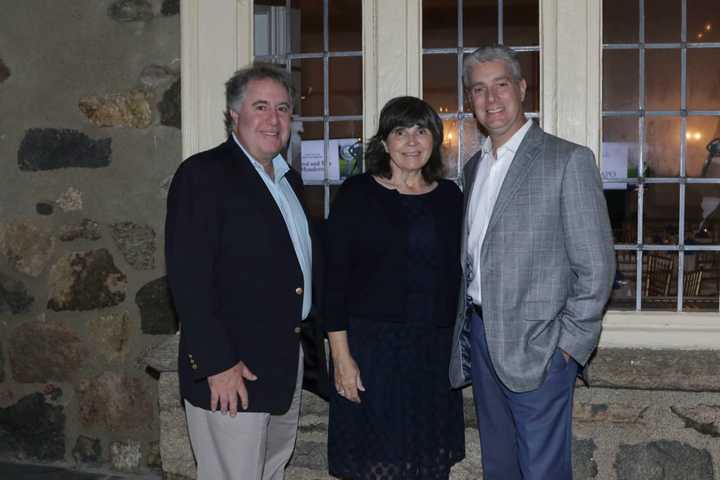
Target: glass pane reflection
x=703 y=72
x=703 y=147
x=661 y=214
x=702 y=214
x=703 y=21
x=659 y=281
x=620 y=80
x=662 y=146
x=345 y=85
x=521 y=26
x=345 y=25
x=620 y=21
x=662 y=79
x=623 y=294
x=480 y=22
x=439 y=23
x=662 y=21
x=308 y=76
x=701 y=283
x=439 y=82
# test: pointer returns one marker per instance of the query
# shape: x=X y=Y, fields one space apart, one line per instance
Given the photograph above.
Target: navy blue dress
x=409 y=424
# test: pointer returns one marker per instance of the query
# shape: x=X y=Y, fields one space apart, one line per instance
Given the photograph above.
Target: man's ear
x=234 y=117
x=523 y=89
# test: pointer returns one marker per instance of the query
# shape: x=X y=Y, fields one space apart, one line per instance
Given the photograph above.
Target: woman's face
x=409 y=148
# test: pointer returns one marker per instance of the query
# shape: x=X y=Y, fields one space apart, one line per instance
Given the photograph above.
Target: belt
x=477 y=309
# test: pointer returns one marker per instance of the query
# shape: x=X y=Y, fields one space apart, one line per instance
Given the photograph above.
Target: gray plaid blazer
x=548 y=263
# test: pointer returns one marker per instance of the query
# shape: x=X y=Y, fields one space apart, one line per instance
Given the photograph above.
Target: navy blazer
x=234 y=278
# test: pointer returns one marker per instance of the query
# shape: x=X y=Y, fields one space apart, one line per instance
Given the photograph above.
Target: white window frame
x=217 y=38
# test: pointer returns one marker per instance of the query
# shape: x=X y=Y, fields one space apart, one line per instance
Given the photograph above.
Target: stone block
x=175 y=449
x=130 y=11
x=152 y=456
x=87 y=450
x=471 y=467
x=85 y=230
x=616 y=412
x=156 y=308
x=51 y=148
x=86 y=281
x=130 y=109
x=663 y=460
x=683 y=370
x=44 y=208
x=114 y=401
x=125 y=456
x=157 y=76
x=14 y=296
x=4 y=71
x=2 y=364
x=136 y=243
x=33 y=429
x=71 y=200
x=169 y=106
x=164 y=356
x=170 y=7
x=704 y=419
x=310 y=455
x=28 y=248
x=584 y=465
x=44 y=351
x=110 y=334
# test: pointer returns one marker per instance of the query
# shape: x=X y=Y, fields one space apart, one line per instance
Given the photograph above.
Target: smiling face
x=262 y=122
x=497 y=100
x=409 y=148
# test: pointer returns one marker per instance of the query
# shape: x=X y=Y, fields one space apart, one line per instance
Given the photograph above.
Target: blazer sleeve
x=192 y=236
x=589 y=246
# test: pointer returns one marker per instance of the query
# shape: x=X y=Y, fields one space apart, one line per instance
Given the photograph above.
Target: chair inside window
x=658 y=274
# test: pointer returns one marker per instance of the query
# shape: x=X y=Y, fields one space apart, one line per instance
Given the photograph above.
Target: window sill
x=661 y=330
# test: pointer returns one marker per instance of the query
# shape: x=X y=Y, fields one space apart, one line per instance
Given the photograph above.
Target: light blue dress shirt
x=294 y=216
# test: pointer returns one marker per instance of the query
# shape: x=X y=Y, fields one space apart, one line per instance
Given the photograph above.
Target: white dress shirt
x=294 y=216
x=489 y=178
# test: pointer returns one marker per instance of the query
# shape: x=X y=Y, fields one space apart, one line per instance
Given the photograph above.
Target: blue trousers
x=523 y=436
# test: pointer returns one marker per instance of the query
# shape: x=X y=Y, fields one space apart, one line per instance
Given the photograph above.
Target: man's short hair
x=492 y=53
x=236 y=86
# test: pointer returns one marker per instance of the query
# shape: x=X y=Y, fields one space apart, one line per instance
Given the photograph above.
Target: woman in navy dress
x=393 y=274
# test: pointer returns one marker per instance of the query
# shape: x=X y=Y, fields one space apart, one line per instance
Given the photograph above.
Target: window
x=320 y=42
x=661 y=152
x=450 y=30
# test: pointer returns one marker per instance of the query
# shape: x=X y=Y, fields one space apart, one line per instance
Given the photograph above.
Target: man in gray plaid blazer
x=539 y=265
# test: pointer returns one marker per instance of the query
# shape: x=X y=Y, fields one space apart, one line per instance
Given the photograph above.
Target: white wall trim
x=392 y=55
x=216 y=39
x=683 y=331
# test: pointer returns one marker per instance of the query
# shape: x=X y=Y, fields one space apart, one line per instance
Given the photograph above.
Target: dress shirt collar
x=280 y=166
x=511 y=146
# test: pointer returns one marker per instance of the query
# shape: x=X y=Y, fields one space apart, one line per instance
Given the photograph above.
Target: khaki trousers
x=249 y=446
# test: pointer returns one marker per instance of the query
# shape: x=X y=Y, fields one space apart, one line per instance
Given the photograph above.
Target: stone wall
x=650 y=415
x=89 y=136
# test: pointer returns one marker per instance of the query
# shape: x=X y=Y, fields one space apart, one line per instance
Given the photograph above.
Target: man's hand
x=225 y=387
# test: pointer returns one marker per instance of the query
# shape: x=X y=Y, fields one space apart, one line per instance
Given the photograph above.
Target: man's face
x=262 y=123
x=497 y=100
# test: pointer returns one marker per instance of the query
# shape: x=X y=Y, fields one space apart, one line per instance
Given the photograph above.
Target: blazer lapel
x=519 y=170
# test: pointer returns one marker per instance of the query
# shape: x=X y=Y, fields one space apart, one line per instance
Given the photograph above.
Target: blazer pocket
x=541 y=311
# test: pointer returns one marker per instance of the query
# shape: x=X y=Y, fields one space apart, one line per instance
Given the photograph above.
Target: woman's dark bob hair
x=405 y=112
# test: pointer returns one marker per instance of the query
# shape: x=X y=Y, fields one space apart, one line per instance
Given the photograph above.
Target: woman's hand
x=347 y=378
x=347 y=373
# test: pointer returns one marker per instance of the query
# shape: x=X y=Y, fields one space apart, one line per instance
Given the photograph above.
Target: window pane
x=659 y=282
x=449 y=148
x=480 y=22
x=530 y=63
x=345 y=86
x=473 y=138
x=439 y=23
x=703 y=78
x=345 y=24
x=662 y=21
x=312 y=130
x=620 y=80
x=521 y=22
x=620 y=146
x=702 y=214
x=703 y=21
x=439 y=82
x=346 y=155
x=622 y=210
x=624 y=290
x=662 y=146
x=308 y=75
x=701 y=285
x=310 y=29
x=661 y=217
x=620 y=21
x=701 y=162
x=662 y=79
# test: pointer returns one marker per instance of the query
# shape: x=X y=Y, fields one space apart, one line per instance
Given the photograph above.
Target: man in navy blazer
x=239 y=261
